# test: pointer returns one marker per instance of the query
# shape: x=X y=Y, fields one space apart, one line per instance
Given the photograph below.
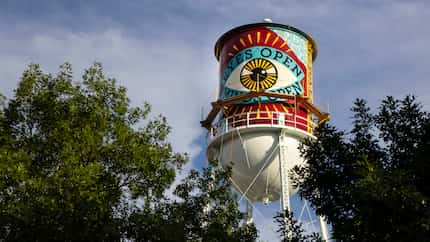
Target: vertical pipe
x=285 y=191
x=295 y=111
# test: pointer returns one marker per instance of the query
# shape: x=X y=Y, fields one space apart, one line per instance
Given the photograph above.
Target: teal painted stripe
x=265 y=53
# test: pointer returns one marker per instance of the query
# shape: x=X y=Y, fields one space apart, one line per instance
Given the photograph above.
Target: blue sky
x=162 y=51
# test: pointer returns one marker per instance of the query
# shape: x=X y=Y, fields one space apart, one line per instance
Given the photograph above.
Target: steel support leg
x=324 y=230
x=249 y=208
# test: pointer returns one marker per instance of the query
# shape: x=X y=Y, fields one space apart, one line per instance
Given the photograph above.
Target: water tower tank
x=264 y=108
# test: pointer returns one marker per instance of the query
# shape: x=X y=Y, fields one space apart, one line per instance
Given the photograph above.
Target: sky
x=162 y=51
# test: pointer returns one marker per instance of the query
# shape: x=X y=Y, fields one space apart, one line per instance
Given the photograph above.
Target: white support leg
x=249 y=209
x=324 y=230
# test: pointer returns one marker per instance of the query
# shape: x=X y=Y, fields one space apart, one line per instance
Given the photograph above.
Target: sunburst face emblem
x=258 y=74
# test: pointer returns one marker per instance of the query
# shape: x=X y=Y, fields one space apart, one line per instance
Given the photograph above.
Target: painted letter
x=267 y=51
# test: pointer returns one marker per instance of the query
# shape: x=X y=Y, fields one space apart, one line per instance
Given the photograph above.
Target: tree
x=72 y=158
x=78 y=163
x=204 y=210
x=372 y=183
x=292 y=231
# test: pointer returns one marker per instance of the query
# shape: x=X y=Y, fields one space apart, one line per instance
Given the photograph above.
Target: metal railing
x=278 y=119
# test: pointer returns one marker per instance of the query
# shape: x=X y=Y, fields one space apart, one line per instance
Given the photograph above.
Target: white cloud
x=172 y=76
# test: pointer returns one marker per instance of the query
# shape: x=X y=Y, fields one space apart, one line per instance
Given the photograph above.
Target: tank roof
x=243 y=28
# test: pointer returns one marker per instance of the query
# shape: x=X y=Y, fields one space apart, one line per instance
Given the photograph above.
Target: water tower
x=264 y=109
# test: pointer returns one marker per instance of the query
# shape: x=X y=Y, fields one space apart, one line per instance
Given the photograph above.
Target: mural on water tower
x=265 y=58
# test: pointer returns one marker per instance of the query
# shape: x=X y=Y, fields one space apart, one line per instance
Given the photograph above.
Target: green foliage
x=292 y=231
x=73 y=155
x=204 y=210
x=77 y=163
x=372 y=184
